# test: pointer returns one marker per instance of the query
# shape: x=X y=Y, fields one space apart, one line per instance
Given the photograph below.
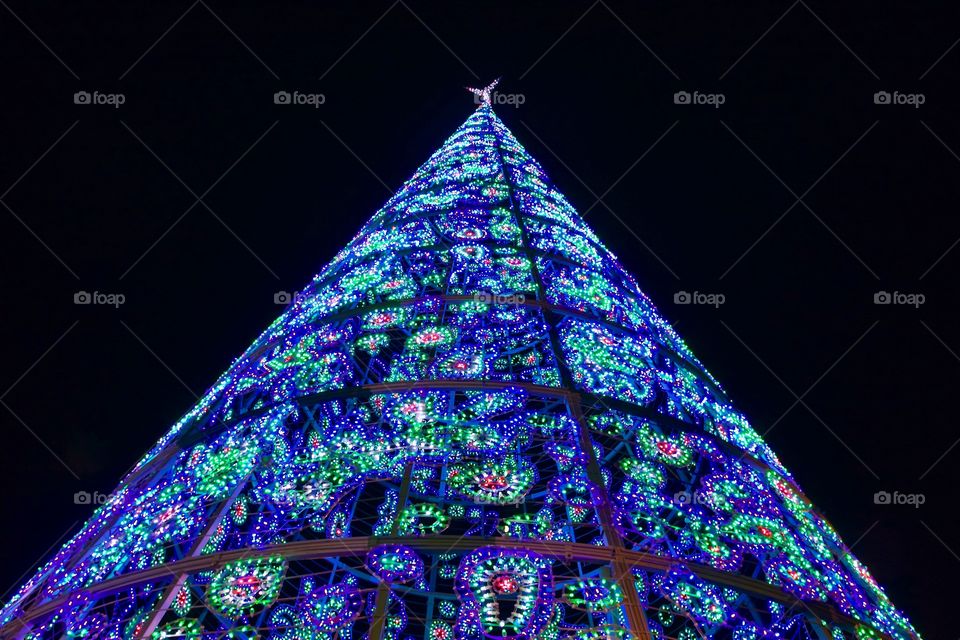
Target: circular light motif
x=183 y=629
x=243 y=586
x=331 y=607
x=384 y=319
x=668 y=448
x=574 y=492
x=471 y=233
x=504 y=584
x=182 y=601
x=593 y=594
x=440 y=630
x=674 y=450
x=433 y=337
x=493 y=482
x=490 y=482
x=422 y=520
x=395 y=563
x=221 y=470
x=471 y=251
x=461 y=364
x=372 y=342
x=478 y=439
x=508 y=593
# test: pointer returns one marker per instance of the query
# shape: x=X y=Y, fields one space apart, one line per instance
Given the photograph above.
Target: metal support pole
x=379 y=620
x=620 y=568
x=171 y=591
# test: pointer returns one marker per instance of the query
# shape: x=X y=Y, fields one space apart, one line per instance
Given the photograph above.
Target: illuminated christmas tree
x=471 y=424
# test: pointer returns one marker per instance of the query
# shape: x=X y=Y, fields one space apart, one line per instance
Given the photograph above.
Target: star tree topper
x=483 y=95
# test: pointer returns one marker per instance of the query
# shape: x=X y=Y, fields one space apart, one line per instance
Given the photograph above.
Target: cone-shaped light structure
x=471 y=424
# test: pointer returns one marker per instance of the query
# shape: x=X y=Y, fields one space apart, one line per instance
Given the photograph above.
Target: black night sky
x=797 y=199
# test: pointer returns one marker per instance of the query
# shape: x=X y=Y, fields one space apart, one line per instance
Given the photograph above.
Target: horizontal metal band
x=360 y=546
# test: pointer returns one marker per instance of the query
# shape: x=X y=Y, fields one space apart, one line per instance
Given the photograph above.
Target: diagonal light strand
x=157 y=41
x=761 y=161
x=40 y=240
x=160 y=360
x=951 y=247
x=799 y=399
x=940 y=540
x=557 y=41
x=38 y=360
x=157 y=241
x=240 y=240
x=31 y=568
x=757 y=241
x=39 y=439
x=41 y=157
x=640 y=40
x=839 y=39
x=840 y=240
x=160 y=160
x=862 y=536
x=239 y=158
x=937 y=61
x=757 y=41
x=799 y=199
x=600 y=200
x=239 y=39
x=841 y=157
x=439 y=39
x=21 y=220
x=957 y=358
x=630 y=168
x=822 y=376
x=199 y=200
x=358 y=40
x=357 y=157
x=40 y=40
